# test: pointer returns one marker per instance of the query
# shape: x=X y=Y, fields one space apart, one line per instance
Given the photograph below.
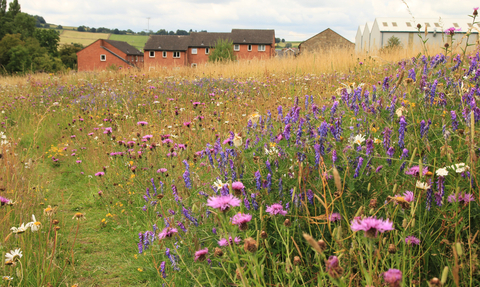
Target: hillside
x=68 y=36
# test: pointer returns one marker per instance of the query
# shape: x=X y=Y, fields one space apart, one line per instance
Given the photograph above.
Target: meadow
x=322 y=170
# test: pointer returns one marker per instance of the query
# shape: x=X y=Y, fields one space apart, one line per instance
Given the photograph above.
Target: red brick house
x=102 y=54
x=194 y=49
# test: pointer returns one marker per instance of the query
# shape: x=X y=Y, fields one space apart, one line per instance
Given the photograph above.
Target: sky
x=292 y=20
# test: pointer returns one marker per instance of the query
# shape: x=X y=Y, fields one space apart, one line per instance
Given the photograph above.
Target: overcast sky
x=293 y=20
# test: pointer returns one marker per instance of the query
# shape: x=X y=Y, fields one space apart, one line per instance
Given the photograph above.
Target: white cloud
x=293 y=20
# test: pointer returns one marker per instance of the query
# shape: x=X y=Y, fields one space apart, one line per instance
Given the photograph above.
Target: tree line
x=25 y=48
x=84 y=28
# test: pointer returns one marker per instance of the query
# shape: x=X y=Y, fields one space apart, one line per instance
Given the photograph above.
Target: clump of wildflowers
x=275 y=209
x=372 y=226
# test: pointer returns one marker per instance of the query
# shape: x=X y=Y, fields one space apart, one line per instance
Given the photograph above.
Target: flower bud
x=57 y=228
x=322 y=244
x=373 y=203
x=296 y=260
x=392 y=249
x=263 y=234
x=218 y=252
x=250 y=245
x=55 y=222
x=287 y=222
x=435 y=282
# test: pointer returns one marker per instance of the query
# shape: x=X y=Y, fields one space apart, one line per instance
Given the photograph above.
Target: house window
x=385 y=24
x=194 y=51
x=394 y=24
x=136 y=58
x=249 y=47
x=455 y=25
x=176 y=54
x=427 y=25
x=164 y=54
x=437 y=25
x=236 y=47
x=261 y=48
x=103 y=57
x=207 y=51
x=408 y=24
x=151 y=54
x=194 y=65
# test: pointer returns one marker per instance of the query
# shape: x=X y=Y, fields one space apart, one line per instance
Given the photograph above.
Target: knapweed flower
x=393 y=277
x=13 y=256
x=422 y=185
x=451 y=31
x=241 y=220
x=4 y=201
x=142 y=123
x=412 y=240
x=371 y=226
x=464 y=198
x=167 y=233
x=200 y=255
x=100 y=174
x=275 y=209
x=415 y=170
x=237 y=186
x=223 y=202
x=333 y=267
x=335 y=217
x=162 y=170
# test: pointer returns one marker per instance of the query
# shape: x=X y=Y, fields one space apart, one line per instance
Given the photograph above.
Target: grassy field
x=84 y=38
x=138 y=41
x=353 y=171
x=282 y=45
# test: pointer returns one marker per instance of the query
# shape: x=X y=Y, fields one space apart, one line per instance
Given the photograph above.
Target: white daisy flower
x=7 y=278
x=460 y=167
x=359 y=139
x=35 y=225
x=219 y=184
x=422 y=185
x=13 y=256
x=21 y=229
x=442 y=172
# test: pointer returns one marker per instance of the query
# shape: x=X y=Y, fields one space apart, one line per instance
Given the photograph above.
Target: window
x=385 y=24
x=164 y=54
x=470 y=25
x=136 y=58
x=427 y=25
x=436 y=25
x=194 y=51
x=207 y=51
x=151 y=54
x=103 y=57
x=249 y=47
x=408 y=24
x=455 y=25
x=394 y=24
x=261 y=48
x=194 y=65
x=236 y=47
x=176 y=54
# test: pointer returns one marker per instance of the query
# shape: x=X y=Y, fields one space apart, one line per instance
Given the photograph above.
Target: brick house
x=194 y=49
x=102 y=54
x=326 y=40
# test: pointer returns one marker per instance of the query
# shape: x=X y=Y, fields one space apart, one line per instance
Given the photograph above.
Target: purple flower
x=223 y=242
x=100 y=173
x=415 y=170
x=461 y=198
x=275 y=209
x=335 y=217
x=412 y=240
x=224 y=202
x=201 y=254
x=4 y=200
x=258 y=179
x=142 y=123
x=379 y=168
x=451 y=31
x=401 y=131
x=357 y=170
x=333 y=267
x=453 y=115
x=162 y=269
x=167 y=233
x=393 y=277
x=371 y=226
x=241 y=220
x=237 y=185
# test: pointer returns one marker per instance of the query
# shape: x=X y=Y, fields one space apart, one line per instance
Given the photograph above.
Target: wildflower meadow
x=360 y=173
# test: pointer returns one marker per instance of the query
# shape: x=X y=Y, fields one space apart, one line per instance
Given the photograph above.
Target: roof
x=432 y=24
x=252 y=36
x=208 y=39
x=360 y=30
x=167 y=43
x=124 y=47
x=326 y=30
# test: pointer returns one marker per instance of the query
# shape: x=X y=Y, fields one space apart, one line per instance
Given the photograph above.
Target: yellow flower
x=79 y=216
x=140 y=270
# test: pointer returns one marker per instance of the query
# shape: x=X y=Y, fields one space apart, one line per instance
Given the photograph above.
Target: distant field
x=84 y=38
x=137 y=41
x=282 y=45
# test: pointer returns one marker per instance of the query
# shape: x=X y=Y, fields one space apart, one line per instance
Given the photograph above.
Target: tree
x=59 y=27
x=277 y=40
x=81 y=28
x=6 y=44
x=171 y=33
x=68 y=54
x=13 y=9
x=222 y=52
x=393 y=43
x=283 y=40
x=23 y=24
x=181 y=32
x=93 y=30
x=116 y=31
x=288 y=45
x=161 y=32
x=48 y=39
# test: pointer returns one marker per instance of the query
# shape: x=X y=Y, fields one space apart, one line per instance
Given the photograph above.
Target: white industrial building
x=374 y=35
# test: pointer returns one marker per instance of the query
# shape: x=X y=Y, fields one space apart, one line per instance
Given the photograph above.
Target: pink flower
x=201 y=254
x=393 y=277
x=275 y=209
x=223 y=242
x=167 y=232
x=100 y=173
x=143 y=123
x=415 y=170
x=237 y=185
x=451 y=31
x=407 y=195
x=335 y=217
x=162 y=170
x=412 y=240
x=371 y=226
x=224 y=202
x=241 y=220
